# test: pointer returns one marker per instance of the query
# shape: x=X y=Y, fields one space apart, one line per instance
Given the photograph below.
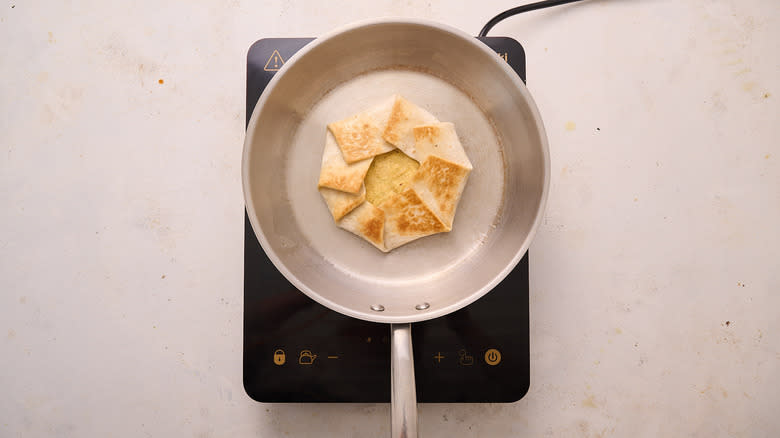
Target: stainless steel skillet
x=459 y=80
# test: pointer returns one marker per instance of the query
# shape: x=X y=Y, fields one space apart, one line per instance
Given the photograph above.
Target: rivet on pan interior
x=422 y=306
x=377 y=307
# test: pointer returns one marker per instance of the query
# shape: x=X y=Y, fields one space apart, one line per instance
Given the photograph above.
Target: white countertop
x=655 y=288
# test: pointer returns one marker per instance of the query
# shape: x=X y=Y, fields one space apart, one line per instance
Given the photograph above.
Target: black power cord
x=520 y=9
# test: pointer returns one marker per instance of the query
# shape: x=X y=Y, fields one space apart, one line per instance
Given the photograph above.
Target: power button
x=492 y=357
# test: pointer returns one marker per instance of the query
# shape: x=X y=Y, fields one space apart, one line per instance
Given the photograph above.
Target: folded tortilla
x=439 y=184
x=412 y=200
x=403 y=118
x=336 y=174
x=408 y=218
x=368 y=222
x=340 y=203
x=360 y=136
x=444 y=169
x=440 y=140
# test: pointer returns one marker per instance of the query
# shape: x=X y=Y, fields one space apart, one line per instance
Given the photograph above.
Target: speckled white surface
x=654 y=280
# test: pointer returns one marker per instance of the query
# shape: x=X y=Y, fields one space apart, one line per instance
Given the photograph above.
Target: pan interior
x=430 y=256
x=457 y=79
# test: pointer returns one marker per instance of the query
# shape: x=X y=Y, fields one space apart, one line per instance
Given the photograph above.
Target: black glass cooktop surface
x=296 y=350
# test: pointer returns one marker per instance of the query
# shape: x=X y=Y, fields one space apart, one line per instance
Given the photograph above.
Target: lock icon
x=279 y=357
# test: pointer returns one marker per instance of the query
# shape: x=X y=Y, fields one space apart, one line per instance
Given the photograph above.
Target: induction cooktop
x=296 y=350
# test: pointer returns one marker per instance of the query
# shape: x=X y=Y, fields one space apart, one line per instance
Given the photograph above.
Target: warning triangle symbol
x=275 y=62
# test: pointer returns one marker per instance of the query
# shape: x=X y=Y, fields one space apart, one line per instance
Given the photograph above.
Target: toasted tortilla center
x=389 y=174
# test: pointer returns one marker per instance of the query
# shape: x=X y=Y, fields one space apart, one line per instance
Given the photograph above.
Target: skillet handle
x=403 y=398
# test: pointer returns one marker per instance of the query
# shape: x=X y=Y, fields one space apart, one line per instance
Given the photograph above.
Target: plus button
x=438 y=357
